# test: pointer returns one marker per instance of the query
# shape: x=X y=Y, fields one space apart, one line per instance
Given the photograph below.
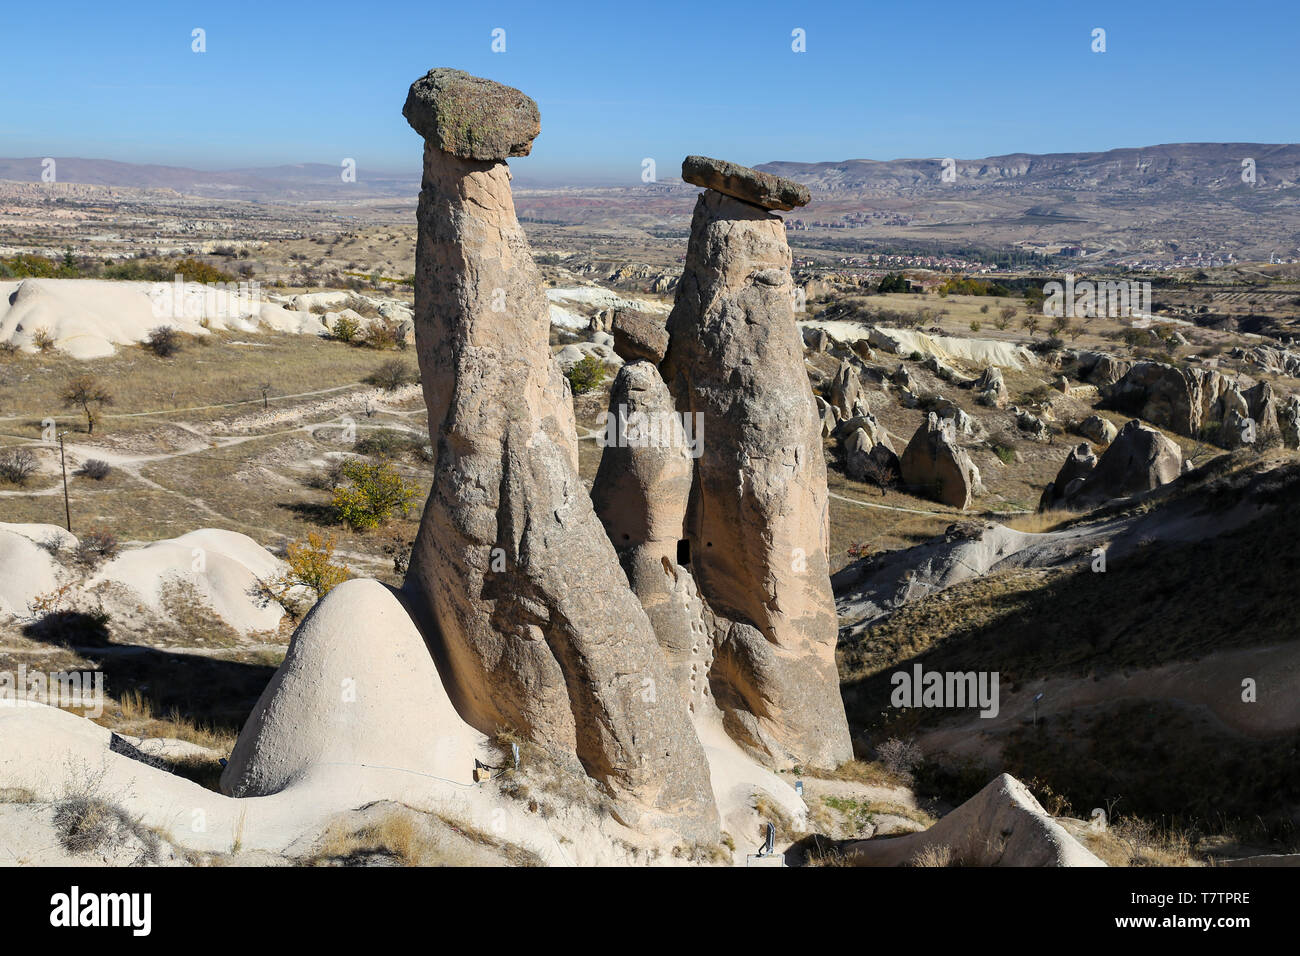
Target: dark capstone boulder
x=471 y=117
x=741 y=182
x=639 y=335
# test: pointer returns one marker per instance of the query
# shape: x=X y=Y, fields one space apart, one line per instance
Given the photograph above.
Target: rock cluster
x=686 y=598
x=1139 y=459
x=869 y=456
x=817 y=340
x=1196 y=402
x=846 y=392
x=867 y=448
x=1098 y=430
x=1031 y=424
x=990 y=388
x=1100 y=368
x=1280 y=361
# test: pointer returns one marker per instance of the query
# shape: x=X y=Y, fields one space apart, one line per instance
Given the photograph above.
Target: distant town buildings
x=892 y=263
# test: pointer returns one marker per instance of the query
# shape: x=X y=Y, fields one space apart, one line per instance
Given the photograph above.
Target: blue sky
x=316 y=82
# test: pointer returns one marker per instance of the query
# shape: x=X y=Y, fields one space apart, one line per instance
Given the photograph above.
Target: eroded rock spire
x=756 y=530
x=518 y=588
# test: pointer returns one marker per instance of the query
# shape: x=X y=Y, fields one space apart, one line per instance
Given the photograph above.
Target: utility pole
x=67 y=508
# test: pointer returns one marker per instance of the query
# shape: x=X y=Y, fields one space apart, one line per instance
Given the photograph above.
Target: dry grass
x=934 y=855
x=158 y=683
x=705 y=854
x=237 y=840
x=870 y=772
x=398 y=835
x=1137 y=842
x=875 y=528
x=994 y=622
x=889 y=808
x=1091 y=754
x=134 y=713
x=193 y=618
x=1042 y=521
x=254 y=487
x=203 y=769
x=826 y=854
x=85 y=826
x=1097 y=753
x=88 y=821
x=842 y=817
x=395 y=836
x=849 y=817
x=220 y=374
x=770 y=812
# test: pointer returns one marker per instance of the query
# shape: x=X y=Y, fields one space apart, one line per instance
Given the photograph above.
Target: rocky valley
x=469 y=532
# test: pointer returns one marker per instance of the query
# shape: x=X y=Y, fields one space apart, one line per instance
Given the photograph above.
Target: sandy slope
x=87 y=318
x=223 y=567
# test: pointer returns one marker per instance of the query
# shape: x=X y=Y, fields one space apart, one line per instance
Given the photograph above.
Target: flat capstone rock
x=741 y=182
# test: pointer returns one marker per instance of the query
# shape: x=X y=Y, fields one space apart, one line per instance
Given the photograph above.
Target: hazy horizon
x=953 y=82
x=526 y=177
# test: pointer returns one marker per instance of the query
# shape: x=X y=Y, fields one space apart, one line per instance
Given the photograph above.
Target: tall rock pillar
x=516 y=585
x=758 y=519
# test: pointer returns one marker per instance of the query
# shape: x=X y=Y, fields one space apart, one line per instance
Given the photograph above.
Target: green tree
x=192 y=270
x=311 y=565
x=893 y=282
x=587 y=375
x=372 y=494
x=346 y=329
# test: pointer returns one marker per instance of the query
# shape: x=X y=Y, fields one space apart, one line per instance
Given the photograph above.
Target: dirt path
x=917 y=511
x=195 y=408
x=205 y=442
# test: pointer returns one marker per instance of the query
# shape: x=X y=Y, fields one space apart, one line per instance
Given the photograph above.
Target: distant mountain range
x=1146 y=205
x=1177 y=166
x=1142 y=204
x=1170 y=166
